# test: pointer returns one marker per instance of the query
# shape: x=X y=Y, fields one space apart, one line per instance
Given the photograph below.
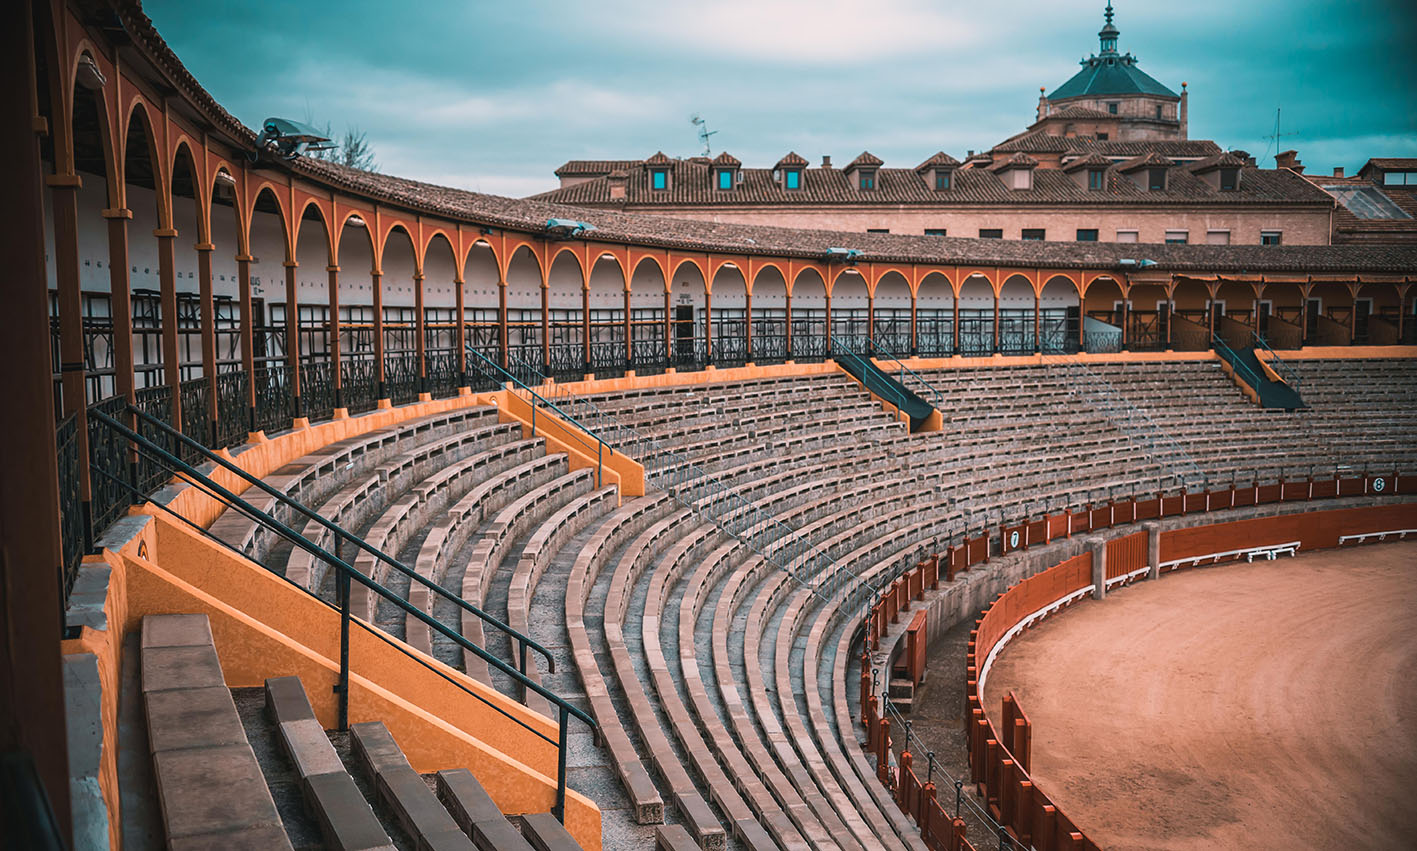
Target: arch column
x=955 y=343
x=167 y=282
x=870 y=317
x=336 y=377
x=419 y=344
x=1037 y=319
x=376 y=279
x=788 y=302
x=248 y=356
x=586 y=367
x=995 y=350
x=73 y=369
x=208 y=308
x=629 y=331
x=914 y=340
x=708 y=326
x=1126 y=319
x=120 y=301
x=668 y=323
x=748 y=323
x=828 y=299
x=292 y=335
x=503 y=333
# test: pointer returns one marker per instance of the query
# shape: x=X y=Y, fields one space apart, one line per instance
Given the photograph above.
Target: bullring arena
x=1267 y=699
x=382 y=514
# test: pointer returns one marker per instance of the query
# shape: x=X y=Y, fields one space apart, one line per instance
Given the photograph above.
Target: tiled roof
x=592 y=168
x=1019 y=160
x=792 y=159
x=1226 y=160
x=939 y=160
x=1075 y=111
x=691 y=187
x=1144 y=161
x=1400 y=163
x=726 y=158
x=1039 y=142
x=530 y=215
x=658 y=159
x=866 y=158
x=1118 y=76
x=1093 y=160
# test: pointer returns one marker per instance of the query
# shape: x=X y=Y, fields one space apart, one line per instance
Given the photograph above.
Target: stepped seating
x=254 y=768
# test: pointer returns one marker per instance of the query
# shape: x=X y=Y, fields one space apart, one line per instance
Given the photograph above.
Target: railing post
x=559 y=811
x=344 y=604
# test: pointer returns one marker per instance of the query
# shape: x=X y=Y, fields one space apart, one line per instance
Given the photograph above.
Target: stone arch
x=688 y=299
x=729 y=315
x=891 y=314
x=769 y=319
x=398 y=298
x=1104 y=315
x=268 y=241
x=809 y=316
x=976 y=316
x=1060 y=316
x=526 y=320
x=1017 y=316
x=565 y=298
x=224 y=207
x=144 y=195
x=606 y=292
x=357 y=283
x=851 y=310
x=314 y=324
x=935 y=316
x=647 y=316
x=440 y=320
x=1148 y=316
x=189 y=219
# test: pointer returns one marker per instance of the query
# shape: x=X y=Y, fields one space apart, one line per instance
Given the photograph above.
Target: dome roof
x=1110 y=72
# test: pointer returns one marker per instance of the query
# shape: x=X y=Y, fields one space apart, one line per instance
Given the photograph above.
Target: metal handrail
x=706 y=497
x=1224 y=350
x=524 y=642
x=347 y=573
x=905 y=370
x=1286 y=372
x=897 y=395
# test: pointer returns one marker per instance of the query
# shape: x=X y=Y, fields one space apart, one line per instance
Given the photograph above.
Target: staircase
x=883 y=386
x=1268 y=389
x=254 y=768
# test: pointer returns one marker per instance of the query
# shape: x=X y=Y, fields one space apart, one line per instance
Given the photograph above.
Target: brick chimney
x=1181 y=113
x=826 y=161
x=1290 y=160
x=617 y=184
x=1338 y=171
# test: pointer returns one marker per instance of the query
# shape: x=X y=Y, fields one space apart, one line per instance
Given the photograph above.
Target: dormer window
x=942 y=180
x=1229 y=179
x=659 y=178
x=1156 y=179
x=1094 y=178
x=725 y=178
x=867 y=177
x=792 y=178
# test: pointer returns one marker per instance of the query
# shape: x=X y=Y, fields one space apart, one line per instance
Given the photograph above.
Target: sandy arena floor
x=1271 y=705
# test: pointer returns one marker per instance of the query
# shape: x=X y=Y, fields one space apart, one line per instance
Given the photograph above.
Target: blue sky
x=494 y=96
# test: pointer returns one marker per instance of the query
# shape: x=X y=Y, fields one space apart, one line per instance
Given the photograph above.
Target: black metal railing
x=156 y=404
x=442 y=366
x=71 y=507
x=317 y=389
x=275 y=408
x=401 y=377
x=233 y=407
x=110 y=470
x=347 y=574
x=196 y=395
x=359 y=385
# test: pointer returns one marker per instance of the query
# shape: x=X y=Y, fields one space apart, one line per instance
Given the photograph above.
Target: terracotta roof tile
x=1225 y=160
x=939 y=160
x=792 y=159
x=1089 y=160
x=726 y=158
x=658 y=159
x=592 y=168
x=866 y=158
x=1151 y=160
x=1019 y=160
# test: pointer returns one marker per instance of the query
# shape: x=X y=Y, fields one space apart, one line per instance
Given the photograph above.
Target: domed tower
x=1114 y=97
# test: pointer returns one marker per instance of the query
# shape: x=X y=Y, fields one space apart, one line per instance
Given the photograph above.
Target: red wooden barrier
x=1127 y=554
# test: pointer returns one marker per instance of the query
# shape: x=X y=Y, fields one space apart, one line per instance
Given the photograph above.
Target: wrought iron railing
x=196 y=394
x=233 y=407
x=155 y=402
x=275 y=407
x=317 y=389
x=108 y=491
x=1278 y=364
x=71 y=508
x=907 y=376
x=443 y=375
x=359 y=384
x=401 y=377
x=1242 y=369
x=346 y=574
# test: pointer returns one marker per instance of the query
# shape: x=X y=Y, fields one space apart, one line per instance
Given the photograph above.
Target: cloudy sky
x=493 y=96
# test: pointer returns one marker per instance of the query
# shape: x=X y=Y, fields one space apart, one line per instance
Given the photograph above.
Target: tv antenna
x=1275 y=137
x=704 y=132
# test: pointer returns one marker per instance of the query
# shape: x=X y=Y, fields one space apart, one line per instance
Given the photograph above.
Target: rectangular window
x=878 y=230
x=942 y=180
x=1178 y=237
x=1033 y=234
x=1156 y=179
x=991 y=233
x=1271 y=237
x=1400 y=178
x=934 y=231
x=1126 y=236
x=868 y=180
x=1112 y=108
x=725 y=179
x=1094 y=178
x=1158 y=112
x=1229 y=179
x=1102 y=137
x=1087 y=234
x=794 y=178
x=1217 y=237
x=659 y=179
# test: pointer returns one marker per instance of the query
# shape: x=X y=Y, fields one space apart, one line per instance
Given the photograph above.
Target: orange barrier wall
x=1126 y=555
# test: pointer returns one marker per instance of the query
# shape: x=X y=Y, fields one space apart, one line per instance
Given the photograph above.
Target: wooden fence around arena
x=1000 y=756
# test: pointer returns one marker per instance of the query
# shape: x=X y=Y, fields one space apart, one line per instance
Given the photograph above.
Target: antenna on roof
x=704 y=132
x=1275 y=136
